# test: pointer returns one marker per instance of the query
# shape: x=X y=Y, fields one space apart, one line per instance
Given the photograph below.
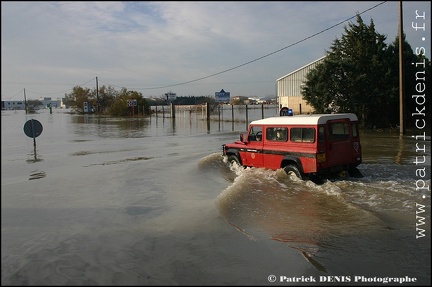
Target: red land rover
x=311 y=146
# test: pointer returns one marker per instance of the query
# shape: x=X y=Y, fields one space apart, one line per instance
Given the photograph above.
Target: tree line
x=360 y=74
x=109 y=101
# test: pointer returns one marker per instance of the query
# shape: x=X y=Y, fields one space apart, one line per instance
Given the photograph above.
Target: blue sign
x=222 y=97
x=132 y=103
x=285 y=112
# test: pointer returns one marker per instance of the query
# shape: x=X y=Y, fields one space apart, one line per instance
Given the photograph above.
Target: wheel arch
x=292 y=160
x=234 y=152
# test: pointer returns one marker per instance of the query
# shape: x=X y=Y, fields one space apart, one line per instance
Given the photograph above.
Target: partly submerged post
x=247 y=117
x=172 y=110
x=207 y=112
x=33 y=128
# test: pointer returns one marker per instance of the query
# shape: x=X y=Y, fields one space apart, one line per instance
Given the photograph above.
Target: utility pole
x=97 y=96
x=401 y=73
x=25 y=102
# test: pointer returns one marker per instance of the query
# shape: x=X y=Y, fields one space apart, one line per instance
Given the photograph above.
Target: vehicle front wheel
x=291 y=168
x=234 y=159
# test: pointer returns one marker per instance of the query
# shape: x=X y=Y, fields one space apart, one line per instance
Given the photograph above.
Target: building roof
x=313 y=119
x=305 y=66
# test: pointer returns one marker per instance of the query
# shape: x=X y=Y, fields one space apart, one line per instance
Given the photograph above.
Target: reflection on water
x=37 y=175
x=106 y=127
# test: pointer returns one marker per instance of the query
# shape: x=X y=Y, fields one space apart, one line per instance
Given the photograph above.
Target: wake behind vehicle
x=312 y=146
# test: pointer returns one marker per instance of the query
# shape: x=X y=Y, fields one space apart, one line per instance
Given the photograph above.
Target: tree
x=120 y=106
x=417 y=69
x=106 y=97
x=33 y=104
x=354 y=77
x=77 y=98
x=110 y=101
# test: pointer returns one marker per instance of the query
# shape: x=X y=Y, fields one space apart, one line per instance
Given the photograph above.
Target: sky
x=188 y=48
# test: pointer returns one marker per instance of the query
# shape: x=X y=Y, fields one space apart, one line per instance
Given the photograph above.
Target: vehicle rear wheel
x=291 y=168
x=355 y=172
x=234 y=159
x=316 y=179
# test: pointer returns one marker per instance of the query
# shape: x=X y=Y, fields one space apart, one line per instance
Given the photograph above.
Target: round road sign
x=33 y=128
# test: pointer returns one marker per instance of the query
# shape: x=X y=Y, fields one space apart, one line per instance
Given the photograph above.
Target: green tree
x=33 y=104
x=77 y=97
x=105 y=98
x=417 y=69
x=354 y=77
x=120 y=106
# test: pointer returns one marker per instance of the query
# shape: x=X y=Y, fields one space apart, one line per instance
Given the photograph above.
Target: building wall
x=20 y=105
x=289 y=89
x=54 y=103
x=12 y=105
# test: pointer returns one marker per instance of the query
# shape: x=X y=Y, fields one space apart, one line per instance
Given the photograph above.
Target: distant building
x=12 y=105
x=289 y=89
x=59 y=103
x=256 y=101
x=20 y=105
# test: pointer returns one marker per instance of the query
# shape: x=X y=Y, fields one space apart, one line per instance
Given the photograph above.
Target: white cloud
x=50 y=47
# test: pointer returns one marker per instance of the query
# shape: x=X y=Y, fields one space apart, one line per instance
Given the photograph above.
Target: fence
x=217 y=112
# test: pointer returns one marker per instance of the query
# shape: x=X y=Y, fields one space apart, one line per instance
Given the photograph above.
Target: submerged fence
x=218 y=112
x=210 y=116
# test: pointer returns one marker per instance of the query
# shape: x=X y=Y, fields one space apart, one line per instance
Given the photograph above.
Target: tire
x=294 y=169
x=234 y=159
x=355 y=172
x=316 y=179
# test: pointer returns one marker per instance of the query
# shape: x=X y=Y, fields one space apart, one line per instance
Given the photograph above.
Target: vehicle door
x=253 y=155
x=275 y=146
x=338 y=146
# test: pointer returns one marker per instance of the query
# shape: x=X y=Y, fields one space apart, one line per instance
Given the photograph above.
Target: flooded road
x=152 y=201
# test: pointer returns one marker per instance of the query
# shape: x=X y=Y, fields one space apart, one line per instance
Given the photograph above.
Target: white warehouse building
x=289 y=89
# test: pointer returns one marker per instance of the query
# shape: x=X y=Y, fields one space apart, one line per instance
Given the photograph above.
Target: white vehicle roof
x=312 y=119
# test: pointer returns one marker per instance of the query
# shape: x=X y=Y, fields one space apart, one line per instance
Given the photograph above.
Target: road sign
x=33 y=128
x=222 y=97
x=132 y=103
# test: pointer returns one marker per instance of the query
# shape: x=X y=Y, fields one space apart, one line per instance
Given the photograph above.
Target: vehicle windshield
x=255 y=133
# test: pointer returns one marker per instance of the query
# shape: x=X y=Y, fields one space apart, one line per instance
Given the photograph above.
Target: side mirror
x=241 y=137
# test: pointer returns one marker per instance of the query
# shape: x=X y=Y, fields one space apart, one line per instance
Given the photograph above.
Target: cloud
x=50 y=47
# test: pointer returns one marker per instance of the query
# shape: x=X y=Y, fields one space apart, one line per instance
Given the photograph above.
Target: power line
x=20 y=92
x=53 y=93
x=238 y=66
x=267 y=55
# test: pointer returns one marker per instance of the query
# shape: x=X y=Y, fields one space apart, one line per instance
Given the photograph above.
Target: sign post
x=33 y=128
x=132 y=103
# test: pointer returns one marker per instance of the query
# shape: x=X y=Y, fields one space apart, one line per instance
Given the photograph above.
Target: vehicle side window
x=302 y=135
x=255 y=134
x=277 y=134
x=338 y=131
x=321 y=137
x=354 y=130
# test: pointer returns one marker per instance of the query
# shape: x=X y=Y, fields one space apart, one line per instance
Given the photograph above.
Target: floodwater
x=151 y=201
